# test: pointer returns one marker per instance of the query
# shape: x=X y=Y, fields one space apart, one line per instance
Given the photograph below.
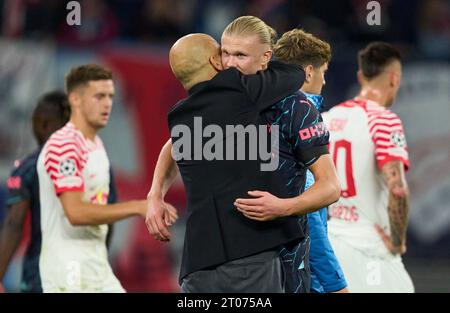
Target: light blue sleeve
x=326 y=273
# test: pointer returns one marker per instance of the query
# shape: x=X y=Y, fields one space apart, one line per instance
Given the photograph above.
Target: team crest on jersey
x=398 y=139
x=67 y=167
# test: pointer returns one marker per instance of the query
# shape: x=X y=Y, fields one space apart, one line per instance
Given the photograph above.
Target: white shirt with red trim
x=70 y=162
x=363 y=137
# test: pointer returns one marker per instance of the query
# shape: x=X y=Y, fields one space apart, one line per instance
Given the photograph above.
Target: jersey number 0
x=343 y=148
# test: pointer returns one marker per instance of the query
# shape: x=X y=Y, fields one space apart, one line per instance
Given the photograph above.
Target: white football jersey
x=363 y=137
x=73 y=258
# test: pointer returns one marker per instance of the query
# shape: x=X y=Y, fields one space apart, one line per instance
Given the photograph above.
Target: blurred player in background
x=73 y=171
x=368 y=224
x=313 y=55
x=51 y=113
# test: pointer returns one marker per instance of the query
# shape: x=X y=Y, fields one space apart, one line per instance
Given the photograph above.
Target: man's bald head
x=194 y=58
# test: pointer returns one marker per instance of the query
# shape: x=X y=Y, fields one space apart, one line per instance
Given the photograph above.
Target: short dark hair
x=373 y=59
x=83 y=74
x=299 y=47
x=52 y=108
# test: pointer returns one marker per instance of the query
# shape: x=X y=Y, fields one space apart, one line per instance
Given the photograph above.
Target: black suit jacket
x=216 y=232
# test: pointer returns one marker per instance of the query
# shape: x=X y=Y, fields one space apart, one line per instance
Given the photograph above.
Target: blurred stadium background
x=132 y=37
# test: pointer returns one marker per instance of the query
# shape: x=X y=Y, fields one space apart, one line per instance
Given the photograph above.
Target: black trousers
x=259 y=273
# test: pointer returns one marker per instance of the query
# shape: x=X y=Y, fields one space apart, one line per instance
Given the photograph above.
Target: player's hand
x=388 y=242
x=263 y=207
x=170 y=214
x=157 y=217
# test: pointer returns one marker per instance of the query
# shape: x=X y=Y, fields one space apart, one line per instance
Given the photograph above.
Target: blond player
x=73 y=171
x=367 y=226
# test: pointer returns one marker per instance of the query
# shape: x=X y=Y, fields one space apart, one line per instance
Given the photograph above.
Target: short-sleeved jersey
x=70 y=162
x=23 y=185
x=303 y=139
x=364 y=136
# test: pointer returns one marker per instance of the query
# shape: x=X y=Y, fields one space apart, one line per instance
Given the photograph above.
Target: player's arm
x=267 y=87
x=392 y=160
x=326 y=190
x=312 y=151
x=160 y=214
x=398 y=206
x=81 y=213
x=166 y=171
x=64 y=165
x=11 y=233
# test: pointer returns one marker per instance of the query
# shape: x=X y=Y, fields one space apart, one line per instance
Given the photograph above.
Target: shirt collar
x=197 y=87
x=315 y=99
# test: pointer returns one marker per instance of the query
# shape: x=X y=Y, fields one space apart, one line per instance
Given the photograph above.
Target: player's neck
x=305 y=89
x=82 y=125
x=373 y=93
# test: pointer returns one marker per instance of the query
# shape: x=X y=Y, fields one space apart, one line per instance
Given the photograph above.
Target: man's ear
x=74 y=99
x=309 y=69
x=394 y=80
x=360 y=77
x=267 y=56
x=216 y=62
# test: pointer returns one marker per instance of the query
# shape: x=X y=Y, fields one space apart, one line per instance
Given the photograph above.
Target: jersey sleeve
x=325 y=269
x=386 y=131
x=19 y=184
x=64 y=162
x=308 y=134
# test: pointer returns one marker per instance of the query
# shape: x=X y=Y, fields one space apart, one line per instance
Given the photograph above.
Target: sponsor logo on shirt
x=100 y=197
x=337 y=124
x=314 y=131
x=14 y=182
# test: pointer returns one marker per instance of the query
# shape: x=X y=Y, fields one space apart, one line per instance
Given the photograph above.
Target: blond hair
x=251 y=25
x=299 y=47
